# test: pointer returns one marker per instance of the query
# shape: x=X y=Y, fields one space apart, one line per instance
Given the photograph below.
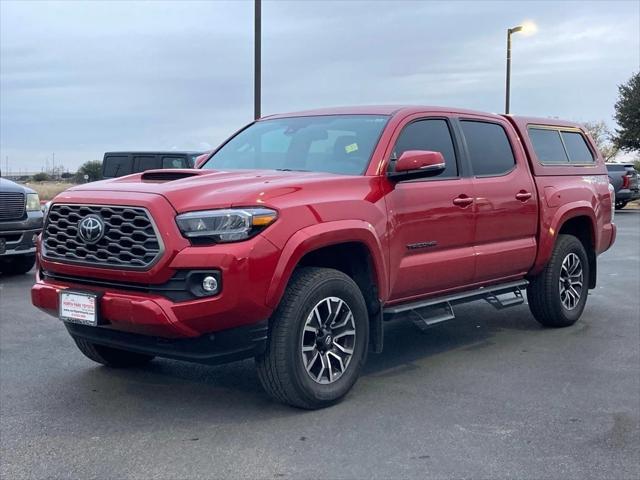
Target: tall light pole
x=257 y=58
x=526 y=28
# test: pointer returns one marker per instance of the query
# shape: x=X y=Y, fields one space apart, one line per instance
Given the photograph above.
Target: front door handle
x=462 y=201
x=523 y=195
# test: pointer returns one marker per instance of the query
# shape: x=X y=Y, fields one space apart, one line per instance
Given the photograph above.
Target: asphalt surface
x=489 y=395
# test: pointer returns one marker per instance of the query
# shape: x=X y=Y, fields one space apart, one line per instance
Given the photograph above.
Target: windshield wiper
x=290 y=170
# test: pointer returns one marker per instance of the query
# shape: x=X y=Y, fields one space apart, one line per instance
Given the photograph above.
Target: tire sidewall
x=347 y=291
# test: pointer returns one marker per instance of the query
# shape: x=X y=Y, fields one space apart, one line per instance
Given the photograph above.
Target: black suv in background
x=20 y=225
x=624 y=179
x=118 y=164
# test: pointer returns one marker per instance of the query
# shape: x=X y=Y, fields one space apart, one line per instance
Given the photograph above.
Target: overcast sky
x=80 y=78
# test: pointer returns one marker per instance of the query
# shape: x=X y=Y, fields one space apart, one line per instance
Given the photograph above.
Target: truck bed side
x=574 y=198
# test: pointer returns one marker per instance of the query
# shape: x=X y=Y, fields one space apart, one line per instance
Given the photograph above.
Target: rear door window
x=577 y=147
x=145 y=162
x=116 y=166
x=489 y=148
x=433 y=135
x=548 y=145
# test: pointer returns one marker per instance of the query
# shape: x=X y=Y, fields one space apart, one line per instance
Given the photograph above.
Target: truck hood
x=191 y=190
x=9 y=186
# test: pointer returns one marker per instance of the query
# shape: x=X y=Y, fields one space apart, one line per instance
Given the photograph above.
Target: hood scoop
x=158 y=176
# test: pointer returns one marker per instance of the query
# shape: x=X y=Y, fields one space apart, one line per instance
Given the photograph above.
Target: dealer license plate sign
x=79 y=307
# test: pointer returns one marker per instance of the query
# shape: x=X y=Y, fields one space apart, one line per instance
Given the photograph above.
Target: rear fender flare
x=549 y=231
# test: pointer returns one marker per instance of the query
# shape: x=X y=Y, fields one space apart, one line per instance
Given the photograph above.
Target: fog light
x=209 y=284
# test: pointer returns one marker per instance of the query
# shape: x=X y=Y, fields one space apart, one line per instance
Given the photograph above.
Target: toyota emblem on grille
x=91 y=228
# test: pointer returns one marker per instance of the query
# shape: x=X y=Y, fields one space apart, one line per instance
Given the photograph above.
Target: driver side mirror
x=418 y=163
x=201 y=159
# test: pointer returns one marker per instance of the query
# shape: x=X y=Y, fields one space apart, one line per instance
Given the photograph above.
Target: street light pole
x=525 y=28
x=508 y=86
x=257 y=60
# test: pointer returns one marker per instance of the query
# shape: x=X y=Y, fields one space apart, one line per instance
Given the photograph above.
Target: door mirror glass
x=419 y=163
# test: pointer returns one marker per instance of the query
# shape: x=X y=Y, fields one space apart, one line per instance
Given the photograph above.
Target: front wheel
x=620 y=205
x=317 y=341
x=557 y=296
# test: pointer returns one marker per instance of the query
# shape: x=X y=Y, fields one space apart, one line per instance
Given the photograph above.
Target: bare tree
x=603 y=137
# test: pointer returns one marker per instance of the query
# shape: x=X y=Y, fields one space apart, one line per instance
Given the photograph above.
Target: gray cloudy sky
x=78 y=78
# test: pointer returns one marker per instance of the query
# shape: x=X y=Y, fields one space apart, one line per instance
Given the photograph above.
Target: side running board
x=426 y=313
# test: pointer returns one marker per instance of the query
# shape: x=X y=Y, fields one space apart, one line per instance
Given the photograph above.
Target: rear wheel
x=317 y=341
x=17 y=264
x=557 y=296
x=111 y=357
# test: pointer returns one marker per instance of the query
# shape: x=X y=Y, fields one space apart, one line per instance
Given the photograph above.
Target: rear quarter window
x=547 y=145
x=577 y=147
x=555 y=145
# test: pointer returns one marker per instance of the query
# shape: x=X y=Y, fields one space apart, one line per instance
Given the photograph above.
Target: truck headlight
x=33 y=202
x=225 y=225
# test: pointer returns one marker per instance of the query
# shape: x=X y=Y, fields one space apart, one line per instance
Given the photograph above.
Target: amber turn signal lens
x=263 y=220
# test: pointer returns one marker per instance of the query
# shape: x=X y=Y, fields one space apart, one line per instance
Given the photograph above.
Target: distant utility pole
x=257 y=60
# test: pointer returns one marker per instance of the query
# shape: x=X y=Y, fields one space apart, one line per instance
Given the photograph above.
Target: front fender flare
x=322 y=235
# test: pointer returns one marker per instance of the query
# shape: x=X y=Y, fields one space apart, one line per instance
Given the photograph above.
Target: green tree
x=603 y=138
x=40 y=177
x=628 y=115
x=92 y=168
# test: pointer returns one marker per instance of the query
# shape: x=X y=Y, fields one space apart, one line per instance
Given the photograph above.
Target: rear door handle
x=462 y=201
x=523 y=196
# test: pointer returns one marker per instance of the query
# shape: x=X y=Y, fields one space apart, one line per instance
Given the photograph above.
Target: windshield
x=340 y=144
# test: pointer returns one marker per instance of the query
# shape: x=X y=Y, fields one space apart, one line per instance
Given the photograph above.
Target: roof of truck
x=522 y=121
x=156 y=152
x=376 y=110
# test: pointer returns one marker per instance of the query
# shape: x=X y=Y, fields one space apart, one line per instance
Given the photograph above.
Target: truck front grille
x=11 y=205
x=129 y=238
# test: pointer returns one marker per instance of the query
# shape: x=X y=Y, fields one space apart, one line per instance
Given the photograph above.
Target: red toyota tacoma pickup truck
x=303 y=233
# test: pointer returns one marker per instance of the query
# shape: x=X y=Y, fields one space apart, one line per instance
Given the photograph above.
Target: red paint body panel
x=420 y=241
x=567 y=192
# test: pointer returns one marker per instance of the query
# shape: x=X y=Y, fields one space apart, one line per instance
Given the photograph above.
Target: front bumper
x=19 y=242
x=627 y=195
x=139 y=301
x=221 y=347
x=153 y=313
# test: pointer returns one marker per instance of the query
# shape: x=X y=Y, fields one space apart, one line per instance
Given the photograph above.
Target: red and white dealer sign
x=78 y=307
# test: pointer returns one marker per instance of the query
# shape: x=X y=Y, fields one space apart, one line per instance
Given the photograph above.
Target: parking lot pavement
x=489 y=395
